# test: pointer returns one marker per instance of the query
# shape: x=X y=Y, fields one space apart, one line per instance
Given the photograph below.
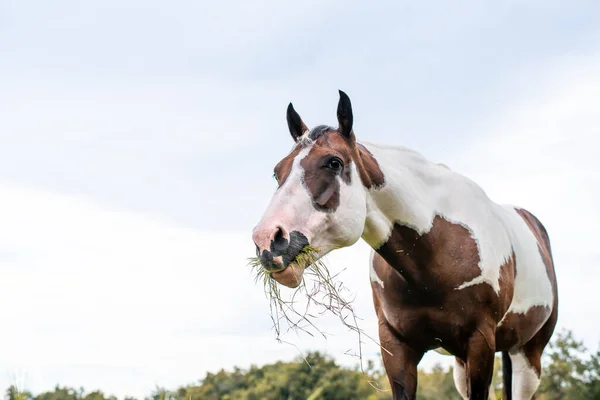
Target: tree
x=66 y=393
x=563 y=369
x=569 y=373
x=59 y=394
x=437 y=384
x=98 y=395
x=13 y=393
x=592 y=377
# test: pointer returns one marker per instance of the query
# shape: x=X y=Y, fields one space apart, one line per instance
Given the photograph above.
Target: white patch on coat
x=305 y=139
x=460 y=379
x=345 y=226
x=417 y=190
x=532 y=285
x=372 y=273
x=525 y=380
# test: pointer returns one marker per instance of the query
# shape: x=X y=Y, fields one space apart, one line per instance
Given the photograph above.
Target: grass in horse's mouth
x=325 y=294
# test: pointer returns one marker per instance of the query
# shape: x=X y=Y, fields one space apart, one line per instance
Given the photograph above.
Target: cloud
x=540 y=153
x=150 y=148
x=137 y=143
x=105 y=293
x=93 y=286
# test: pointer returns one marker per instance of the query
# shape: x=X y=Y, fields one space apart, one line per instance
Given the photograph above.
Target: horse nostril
x=278 y=238
x=279 y=242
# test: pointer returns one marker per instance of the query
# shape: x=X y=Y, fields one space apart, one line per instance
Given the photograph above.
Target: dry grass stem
x=325 y=295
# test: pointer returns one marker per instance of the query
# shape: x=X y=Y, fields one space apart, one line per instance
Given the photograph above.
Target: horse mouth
x=290 y=276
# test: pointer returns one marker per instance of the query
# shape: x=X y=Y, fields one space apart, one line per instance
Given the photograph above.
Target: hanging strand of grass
x=326 y=295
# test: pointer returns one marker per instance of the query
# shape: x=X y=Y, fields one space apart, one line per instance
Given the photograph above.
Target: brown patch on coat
x=284 y=167
x=436 y=256
x=507 y=285
x=321 y=182
x=368 y=168
x=518 y=328
x=534 y=348
x=419 y=299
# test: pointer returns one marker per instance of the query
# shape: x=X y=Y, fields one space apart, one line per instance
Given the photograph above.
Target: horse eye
x=334 y=164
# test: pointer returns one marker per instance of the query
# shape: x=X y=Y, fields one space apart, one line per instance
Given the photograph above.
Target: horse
x=450 y=269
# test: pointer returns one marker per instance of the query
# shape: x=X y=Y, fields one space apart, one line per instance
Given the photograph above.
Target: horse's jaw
x=290 y=277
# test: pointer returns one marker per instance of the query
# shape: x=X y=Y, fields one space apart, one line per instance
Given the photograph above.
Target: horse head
x=320 y=200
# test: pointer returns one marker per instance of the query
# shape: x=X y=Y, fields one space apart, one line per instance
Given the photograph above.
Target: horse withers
x=450 y=269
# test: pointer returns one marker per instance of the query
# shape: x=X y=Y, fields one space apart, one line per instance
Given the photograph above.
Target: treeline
x=570 y=373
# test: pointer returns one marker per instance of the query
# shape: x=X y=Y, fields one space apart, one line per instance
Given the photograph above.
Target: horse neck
x=410 y=195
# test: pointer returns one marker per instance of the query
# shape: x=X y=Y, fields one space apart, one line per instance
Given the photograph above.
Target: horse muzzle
x=276 y=248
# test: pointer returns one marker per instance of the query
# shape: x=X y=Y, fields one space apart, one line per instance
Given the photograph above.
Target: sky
x=137 y=141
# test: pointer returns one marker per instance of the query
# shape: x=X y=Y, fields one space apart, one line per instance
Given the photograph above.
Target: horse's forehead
x=284 y=167
x=330 y=143
x=327 y=142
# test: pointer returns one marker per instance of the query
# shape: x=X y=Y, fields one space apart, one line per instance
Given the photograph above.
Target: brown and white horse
x=451 y=270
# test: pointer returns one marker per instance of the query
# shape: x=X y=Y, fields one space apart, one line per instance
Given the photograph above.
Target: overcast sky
x=137 y=141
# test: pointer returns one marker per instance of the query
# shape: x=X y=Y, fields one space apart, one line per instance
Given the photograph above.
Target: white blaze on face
x=289 y=207
x=292 y=209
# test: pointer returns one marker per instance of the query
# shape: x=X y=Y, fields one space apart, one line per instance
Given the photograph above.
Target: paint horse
x=450 y=269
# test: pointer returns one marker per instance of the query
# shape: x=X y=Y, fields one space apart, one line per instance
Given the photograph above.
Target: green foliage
x=317 y=377
x=592 y=377
x=437 y=384
x=60 y=393
x=98 y=395
x=13 y=393
x=569 y=373
x=562 y=376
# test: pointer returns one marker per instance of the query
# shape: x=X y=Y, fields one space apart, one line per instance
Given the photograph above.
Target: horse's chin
x=290 y=277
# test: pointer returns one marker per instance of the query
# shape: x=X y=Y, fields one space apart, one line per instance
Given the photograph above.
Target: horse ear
x=344 y=115
x=295 y=124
